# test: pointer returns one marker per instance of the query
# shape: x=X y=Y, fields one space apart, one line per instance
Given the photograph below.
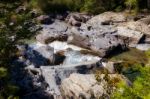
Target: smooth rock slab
x=107 y=18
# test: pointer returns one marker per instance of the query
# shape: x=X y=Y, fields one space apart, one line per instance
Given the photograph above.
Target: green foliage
x=58 y=5
x=90 y=6
x=132 y=5
x=148 y=53
x=139 y=90
x=132 y=56
x=7 y=46
x=3 y=72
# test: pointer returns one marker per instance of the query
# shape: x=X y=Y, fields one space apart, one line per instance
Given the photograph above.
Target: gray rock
x=82 y=86
x=100 y=39
x=133 y=37
x=56 y=31
x=143 y=47
x=44 y=19
x=54 y=75
x=145 y=20
x=77 y=40
x=38 y=56
x=107 y=18
x=139 y=26
x=147 y=39
x=109 y=66
x=47 y=52
x=86 y=86
x=75 y=19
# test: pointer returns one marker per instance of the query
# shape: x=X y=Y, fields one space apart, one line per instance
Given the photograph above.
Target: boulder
x=100 y=39
x=44 y=19
x=54 y=75
x=139 y=26
x=147 y=39
x=109 y=66
x=145 y=20
x=78 y=40
x=47 y=52
x=56 y=31
x=79 y=86
x=75 y=19
x=107 y=18
x=41 y=55
x=46 y=38
x=143 y=47
x=132 y=37
x=105 y=45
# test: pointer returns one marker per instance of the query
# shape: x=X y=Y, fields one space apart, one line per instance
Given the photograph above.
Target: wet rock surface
x=60 y=63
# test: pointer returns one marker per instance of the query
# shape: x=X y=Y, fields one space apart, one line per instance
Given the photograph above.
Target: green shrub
x=132 y=5
x=3 y=72
x=90 y=6
x=139 y=90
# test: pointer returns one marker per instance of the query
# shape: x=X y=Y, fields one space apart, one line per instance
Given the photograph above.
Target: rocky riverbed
x=60 y=63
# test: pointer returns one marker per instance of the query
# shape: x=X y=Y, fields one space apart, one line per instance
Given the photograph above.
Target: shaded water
x=132 y=56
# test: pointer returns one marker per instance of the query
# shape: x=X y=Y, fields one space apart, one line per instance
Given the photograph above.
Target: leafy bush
x=93 y=6
x=90 y=6
x=7 y=46
x=139 y=90
x=132 y=5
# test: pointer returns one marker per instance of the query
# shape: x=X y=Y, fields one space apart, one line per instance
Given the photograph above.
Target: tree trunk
x=148 y=4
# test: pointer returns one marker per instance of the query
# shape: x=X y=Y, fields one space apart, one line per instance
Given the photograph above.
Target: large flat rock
x=107 y=18
x=101 y=39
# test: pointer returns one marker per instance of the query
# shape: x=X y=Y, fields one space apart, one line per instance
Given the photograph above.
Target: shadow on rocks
x=30 y=82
